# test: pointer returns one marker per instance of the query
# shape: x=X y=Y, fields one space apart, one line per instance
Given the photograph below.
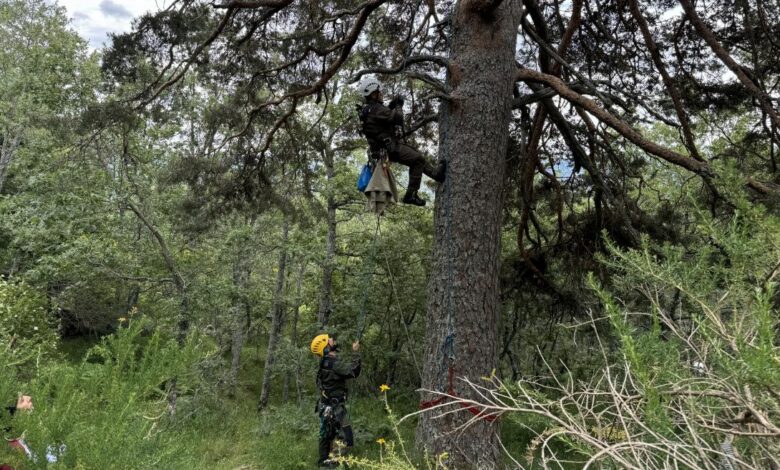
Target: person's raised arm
x=383 y=114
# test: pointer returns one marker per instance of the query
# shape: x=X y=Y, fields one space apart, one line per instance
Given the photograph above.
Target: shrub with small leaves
x=28 y=331
x=121 y=407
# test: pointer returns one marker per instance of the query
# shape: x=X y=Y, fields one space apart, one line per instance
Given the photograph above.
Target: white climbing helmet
x=368 y=85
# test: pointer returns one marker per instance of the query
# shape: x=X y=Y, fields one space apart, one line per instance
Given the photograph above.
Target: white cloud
x=95 y=19
x=115 y=10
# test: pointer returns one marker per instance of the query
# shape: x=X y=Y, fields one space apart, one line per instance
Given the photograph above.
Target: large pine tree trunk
x=277 y=319
x=466 y=254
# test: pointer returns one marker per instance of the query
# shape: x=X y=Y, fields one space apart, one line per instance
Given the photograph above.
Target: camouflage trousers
x=418 y=165
x=334 y=422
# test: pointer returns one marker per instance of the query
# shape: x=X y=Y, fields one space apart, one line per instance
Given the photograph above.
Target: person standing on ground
x=380 y=125
x=23 y=403
x=332 y=376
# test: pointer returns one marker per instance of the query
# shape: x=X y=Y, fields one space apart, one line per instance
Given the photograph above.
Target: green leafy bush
x=28 y=332
x=113 y=410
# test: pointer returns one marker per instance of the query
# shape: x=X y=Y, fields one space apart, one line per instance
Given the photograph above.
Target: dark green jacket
x=379 y=122
x=334 y=373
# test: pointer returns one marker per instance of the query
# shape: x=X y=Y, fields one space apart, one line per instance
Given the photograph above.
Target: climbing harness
x=328 y=424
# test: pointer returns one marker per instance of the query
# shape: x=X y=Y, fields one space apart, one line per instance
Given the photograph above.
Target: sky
x=94 y=19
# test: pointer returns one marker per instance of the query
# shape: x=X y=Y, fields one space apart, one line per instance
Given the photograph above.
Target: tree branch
x=347 y=45
x=674 y=93
x=421 y=123
x=527 y=27
x=614 y=122
x=188 y=62
x=400 y=67
x=245 y=4
x=709 y=37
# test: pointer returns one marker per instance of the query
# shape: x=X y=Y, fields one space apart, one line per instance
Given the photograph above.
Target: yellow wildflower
x=384 y=387
x=381 y=441
x=122 y=319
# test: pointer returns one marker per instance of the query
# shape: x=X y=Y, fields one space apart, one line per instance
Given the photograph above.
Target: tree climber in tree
x=332 y=379
x=381 y=126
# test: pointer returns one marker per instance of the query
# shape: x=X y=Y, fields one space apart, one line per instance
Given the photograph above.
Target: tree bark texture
x=277 y=319
x=324 y=311
x=464 y=284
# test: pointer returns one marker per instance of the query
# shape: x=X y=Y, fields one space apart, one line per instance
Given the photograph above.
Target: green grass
x=229 y=432
x=73 y=349
x=282 y=437
x=234 y=435
x=285 y=435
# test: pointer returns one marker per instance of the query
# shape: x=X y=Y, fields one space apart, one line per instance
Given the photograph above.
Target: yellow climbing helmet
x=318 y=344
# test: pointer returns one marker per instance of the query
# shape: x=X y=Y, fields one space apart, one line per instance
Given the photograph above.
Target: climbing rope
x=403 y=321
x=367 y=278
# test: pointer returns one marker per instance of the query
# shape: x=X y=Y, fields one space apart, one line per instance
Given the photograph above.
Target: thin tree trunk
x=294 y=334
x=392 y=367
x=170 y=263
x=277 y=319
x=241 y=274
x=509 y=338
x=7 y=150
x=464 y=285
x=179 y=285
x=325 y=307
